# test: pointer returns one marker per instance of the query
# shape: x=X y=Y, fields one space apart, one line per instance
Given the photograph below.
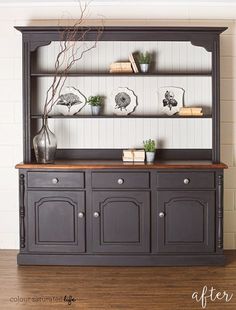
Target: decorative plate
x=125 y=101
x=170 y=99
x=70 y=102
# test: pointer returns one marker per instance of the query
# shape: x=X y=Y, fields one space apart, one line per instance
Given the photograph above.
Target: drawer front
x=56 y=179
x=120 y=180
x=193 y=180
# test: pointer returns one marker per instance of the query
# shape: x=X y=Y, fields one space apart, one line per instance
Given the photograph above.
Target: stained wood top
x=113 y=164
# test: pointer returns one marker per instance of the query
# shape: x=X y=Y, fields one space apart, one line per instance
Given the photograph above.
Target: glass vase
x=45 y=144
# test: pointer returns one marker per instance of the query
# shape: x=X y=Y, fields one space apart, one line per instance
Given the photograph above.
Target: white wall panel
x=130 y=133
x=167 y=56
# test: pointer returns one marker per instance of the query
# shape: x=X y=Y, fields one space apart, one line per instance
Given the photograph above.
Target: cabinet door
x=185 y=221
x=56 y=221
x=121 y=221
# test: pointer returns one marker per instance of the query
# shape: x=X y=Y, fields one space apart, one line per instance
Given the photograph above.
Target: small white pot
x=95 y=110
x=150 y=156
x=144 y=67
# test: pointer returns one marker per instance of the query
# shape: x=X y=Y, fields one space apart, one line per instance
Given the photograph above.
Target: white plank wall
x=167 y=56
x=125 y=133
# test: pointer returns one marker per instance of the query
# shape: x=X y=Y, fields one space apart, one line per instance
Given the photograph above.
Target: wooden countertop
x=113 y=164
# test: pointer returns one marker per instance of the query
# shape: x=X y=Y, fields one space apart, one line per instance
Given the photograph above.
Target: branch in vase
x=70 y=53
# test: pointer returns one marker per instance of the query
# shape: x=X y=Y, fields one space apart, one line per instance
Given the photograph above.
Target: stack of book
x=121 y=67
x=139 y=155
x=190 y=111
x=128 y=155
x=133 y=155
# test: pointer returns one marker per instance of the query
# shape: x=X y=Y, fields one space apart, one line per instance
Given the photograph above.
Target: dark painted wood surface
x=55 y=221
x=186 y=180
x=120 y=180
x=55 y=179
x=185 y=221
x=116 y=154
x=121 y=222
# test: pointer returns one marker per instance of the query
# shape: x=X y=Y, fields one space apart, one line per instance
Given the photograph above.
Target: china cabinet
x=89 y=207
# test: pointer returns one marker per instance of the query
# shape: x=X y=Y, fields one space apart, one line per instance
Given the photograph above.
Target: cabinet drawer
x=56 y=179
x=120 y=180
x=193 y=180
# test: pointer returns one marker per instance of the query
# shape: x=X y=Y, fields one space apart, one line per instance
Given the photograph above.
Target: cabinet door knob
x=120 y=181
x=161 y=214
x=80 y=215
x=55 y=181
x=96 y=214
x=186 y=181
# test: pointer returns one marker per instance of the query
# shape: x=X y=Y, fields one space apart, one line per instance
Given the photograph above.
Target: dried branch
x=71 y=50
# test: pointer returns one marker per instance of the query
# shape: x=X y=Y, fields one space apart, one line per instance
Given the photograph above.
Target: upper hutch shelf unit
x=186 y=57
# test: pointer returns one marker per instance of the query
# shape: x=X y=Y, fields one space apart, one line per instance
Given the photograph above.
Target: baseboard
x=120 y=260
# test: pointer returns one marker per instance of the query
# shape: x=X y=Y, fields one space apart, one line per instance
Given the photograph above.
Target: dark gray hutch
x=90 y=208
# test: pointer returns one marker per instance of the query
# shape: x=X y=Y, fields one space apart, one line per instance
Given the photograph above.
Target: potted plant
x=96 y=103
x=144 y=60
x=150 y=149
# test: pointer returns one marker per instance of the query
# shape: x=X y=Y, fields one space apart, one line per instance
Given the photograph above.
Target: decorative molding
x=135 y=203
x=220 y=213
x=36 y=44
x=203 y=204
x=49 y=199
x=42 y=203
x=207 y=44
x=22 y=210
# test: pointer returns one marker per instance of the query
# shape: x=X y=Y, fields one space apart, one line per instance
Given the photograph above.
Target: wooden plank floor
x=164 y=288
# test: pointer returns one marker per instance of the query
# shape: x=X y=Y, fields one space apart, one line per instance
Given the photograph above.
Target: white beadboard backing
x=197 y=91
x=130 y=133
x=126 y=133
x=166 y=56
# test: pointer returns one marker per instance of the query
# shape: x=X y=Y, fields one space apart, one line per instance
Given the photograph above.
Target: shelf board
x=120 y=116
x=105 y=74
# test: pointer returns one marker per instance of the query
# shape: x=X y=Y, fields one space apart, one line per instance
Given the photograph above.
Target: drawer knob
x=186 y=181
x=55 y=181
x=80 y=215
x=161 y=214
x=96 y=214
x=120 y=181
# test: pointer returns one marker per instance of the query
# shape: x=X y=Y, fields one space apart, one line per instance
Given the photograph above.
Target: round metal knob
x=120 y=181
x=161 y=214
x=186 y=181
x=80 y=215
x=96 y=214
x=55 y=181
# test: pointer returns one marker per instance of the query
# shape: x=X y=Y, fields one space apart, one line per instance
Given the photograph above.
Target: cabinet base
x=120 y=260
